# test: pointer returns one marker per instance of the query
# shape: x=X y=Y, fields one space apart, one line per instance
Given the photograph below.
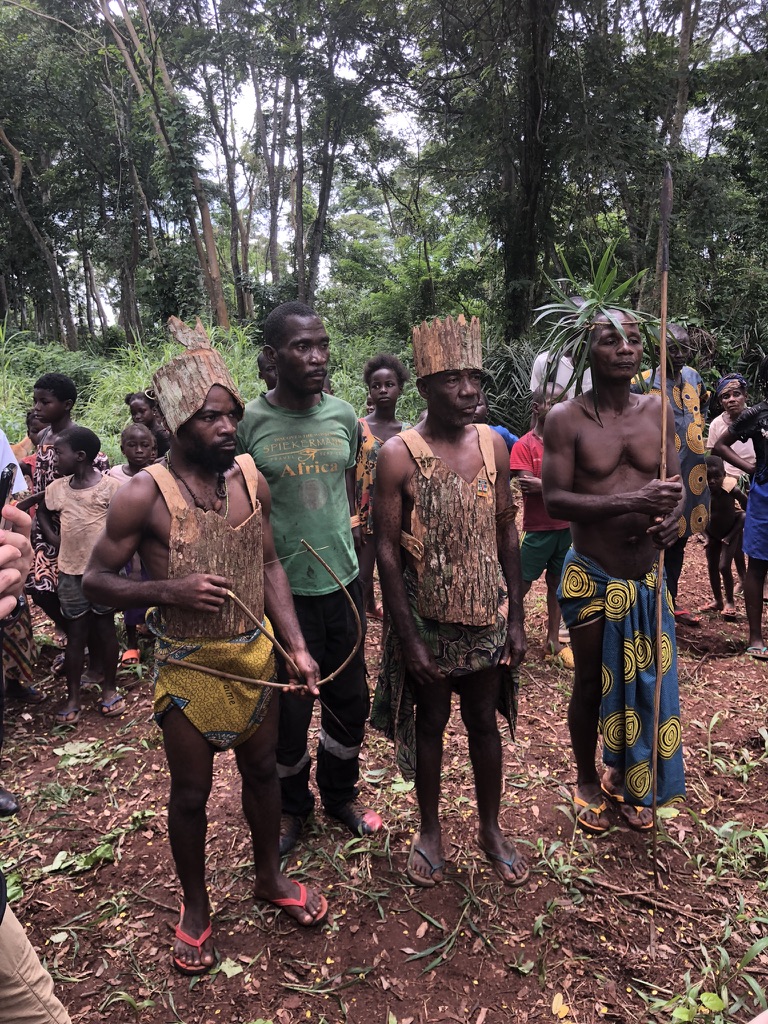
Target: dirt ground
x=587 y=939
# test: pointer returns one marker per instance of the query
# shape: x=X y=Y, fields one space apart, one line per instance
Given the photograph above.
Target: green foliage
x=572 y=313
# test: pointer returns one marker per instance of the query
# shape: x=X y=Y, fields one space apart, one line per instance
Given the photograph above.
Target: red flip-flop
x=301 y=901
x=182 y=936
x=686 y=617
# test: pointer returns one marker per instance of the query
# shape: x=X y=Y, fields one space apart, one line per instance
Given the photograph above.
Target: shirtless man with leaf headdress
x=602 y=453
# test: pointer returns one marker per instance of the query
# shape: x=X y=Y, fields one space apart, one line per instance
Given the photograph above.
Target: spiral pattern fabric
x=628 y=675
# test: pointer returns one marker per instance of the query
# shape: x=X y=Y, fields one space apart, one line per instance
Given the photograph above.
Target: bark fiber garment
x=453 y=535
x=205 y=542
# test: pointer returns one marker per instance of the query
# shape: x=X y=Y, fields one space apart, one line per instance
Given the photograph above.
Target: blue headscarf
x=730 y=378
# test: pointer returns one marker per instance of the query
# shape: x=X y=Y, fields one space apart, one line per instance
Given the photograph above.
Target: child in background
x=545 y=541
x=81 y=496
x=385 y=377
x=35 y=428
x=144 y=410
x=137 y=443
x=267 y=370
x=724 y=532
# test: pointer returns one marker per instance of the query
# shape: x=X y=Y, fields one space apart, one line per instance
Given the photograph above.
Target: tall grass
x=103 y=381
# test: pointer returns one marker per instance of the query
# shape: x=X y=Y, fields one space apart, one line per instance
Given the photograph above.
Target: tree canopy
x=385 y=161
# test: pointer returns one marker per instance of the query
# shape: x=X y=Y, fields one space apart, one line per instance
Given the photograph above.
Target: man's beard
x=212 y=460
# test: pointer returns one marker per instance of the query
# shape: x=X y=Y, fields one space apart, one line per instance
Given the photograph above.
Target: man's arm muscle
x=125 y=526
x=278 y=600
x=508 y=547
x=393 y=466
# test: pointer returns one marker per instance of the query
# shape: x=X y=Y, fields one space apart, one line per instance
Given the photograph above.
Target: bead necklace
x=222 y=492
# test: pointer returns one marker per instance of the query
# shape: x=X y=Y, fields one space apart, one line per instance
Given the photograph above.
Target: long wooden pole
x=665 y=212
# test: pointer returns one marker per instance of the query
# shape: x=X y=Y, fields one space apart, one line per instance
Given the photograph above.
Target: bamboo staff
x=664 y=215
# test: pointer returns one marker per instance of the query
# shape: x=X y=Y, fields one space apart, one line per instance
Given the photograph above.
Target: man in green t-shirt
x=305 y=443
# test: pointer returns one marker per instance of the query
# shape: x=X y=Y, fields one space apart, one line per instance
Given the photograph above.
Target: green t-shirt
x=304 y=457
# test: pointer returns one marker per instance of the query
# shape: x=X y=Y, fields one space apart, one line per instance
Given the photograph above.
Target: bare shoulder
x=134 y=501
x=394 y=463
x=563 y=418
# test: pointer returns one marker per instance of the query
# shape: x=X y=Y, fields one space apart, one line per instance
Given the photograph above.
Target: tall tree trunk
x=63 y=310
x=90 y=282
x=522 y=186
x=207 y=254
x=327 y=163
x=273 y=155
x=298 y=187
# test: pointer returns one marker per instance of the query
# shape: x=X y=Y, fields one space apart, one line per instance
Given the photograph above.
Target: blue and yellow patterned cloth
x=226 y=711
x=586 y=593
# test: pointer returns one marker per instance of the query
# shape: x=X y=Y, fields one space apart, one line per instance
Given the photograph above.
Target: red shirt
x=527 y=454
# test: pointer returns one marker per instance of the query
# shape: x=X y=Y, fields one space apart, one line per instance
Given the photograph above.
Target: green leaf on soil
x=229 y=968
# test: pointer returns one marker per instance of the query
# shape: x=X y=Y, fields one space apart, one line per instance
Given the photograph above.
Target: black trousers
x=329 y=629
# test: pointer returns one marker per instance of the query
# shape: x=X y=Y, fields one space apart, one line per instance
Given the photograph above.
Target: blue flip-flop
x=758 y=653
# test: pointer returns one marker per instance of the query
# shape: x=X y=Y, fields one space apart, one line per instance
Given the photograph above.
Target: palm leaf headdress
x=570 y=318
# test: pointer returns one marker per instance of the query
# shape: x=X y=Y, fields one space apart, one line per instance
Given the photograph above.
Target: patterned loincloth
x=458 y=650
x=587 y=593
x=226 y=712
x=19 y=650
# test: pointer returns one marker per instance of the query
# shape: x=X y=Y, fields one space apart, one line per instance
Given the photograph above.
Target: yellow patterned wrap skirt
x=226 y=712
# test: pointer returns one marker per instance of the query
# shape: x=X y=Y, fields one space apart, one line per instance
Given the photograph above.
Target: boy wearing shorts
x=81 y=495
x=545 y=541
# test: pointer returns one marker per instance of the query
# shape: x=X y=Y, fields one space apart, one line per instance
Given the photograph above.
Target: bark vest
x=205 y=542
x=453 y=536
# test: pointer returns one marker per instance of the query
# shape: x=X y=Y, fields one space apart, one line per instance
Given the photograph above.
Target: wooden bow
x=219 y=674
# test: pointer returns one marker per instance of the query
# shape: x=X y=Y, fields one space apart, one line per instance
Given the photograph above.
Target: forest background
x=383 y=160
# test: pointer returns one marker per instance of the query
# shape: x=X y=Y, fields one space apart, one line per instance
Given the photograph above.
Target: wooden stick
x=665 y=211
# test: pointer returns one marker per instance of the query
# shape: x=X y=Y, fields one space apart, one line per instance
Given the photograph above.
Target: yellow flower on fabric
x=699 y=519
x=632 y=726
x=697 y=479
x=630 y=660
x=592 y=610
x=695 y=438
x=643 y=651
x=607 y=680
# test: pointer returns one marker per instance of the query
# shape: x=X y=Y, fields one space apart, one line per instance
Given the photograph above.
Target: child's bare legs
x=727 y=556
x=366 y=558
x=74 y=660
x=713 y=549
x=104 y=636
x=741 y=569
x=553 y=612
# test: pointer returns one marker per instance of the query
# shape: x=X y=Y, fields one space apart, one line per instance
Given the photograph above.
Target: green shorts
x=543 y=549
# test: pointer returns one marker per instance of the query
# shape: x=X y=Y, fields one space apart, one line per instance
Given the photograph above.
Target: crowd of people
x=245 y=538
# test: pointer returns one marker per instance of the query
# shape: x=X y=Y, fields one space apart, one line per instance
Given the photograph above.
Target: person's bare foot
x=190 y=957
x=591 y=805
x=729 y=610
x=307 y=907
x=638 y=818
x=425 y=861
x=511 y=867
x=376 y=612
x=713 y=606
